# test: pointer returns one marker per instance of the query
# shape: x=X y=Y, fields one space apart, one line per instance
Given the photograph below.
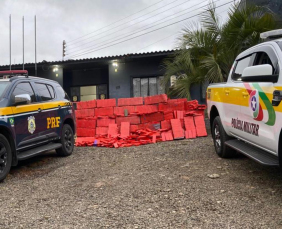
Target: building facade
x=123 y=76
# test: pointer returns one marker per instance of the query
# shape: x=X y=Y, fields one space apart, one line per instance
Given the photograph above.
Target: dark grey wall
x=120 y=81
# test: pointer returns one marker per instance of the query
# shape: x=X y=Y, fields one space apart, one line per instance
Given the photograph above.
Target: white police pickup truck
x=246 y=112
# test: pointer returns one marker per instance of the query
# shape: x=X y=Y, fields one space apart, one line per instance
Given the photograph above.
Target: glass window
x=43 y=91
x=240 y=66
x=147 y=86
x=24 y=88
x=3 y=86
x=263 y=58
x=61 y=93
x=51 y=90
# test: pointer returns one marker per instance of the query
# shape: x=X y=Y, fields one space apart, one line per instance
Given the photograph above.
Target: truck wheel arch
x=213 y=114
x=7 y=133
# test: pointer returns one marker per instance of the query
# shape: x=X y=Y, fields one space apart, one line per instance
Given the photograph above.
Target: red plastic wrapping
x=84 y=113
x=189 y=123
x=146 y=109
x=200 y=126
x=130 y=101
x=154 y=117
x=102 y=130
x=190 y=134
x=150 y=125
x=106 y=111
x=113 y=130
x=167 y=136
x=105 y=121
x=134 y=128
x=133 y=119
x=124 y=129
x=178 y=132
x=166 y=125
x=155 y=99
x=91 y=104
x=172 y=106
x=168 y=115
x=106 y=103
x=120 y=111
x=85 y=132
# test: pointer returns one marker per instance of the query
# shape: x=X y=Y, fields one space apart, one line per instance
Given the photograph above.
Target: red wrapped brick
x=151 y=125
x=168 y=115
x=146 y=109
x=200 y=126
x=113 y=130
x=120 y=111
x=189 y=123
x=190 y=134
x=91 y=123
x=91 y=104
x=155 y=99
x=124 y=129
x=179 y=114
x=102 y=130
x=105 y=121
x=130 y=101
x=172 y=106
x=133 y=128
x=106 y=103
x=154 y=117
x=133 y=119
x=166 y=125
x=191 y=105
x=85 y=132
x=167 y=136
x=178 y=132
x=106 y=111
x=84 y=113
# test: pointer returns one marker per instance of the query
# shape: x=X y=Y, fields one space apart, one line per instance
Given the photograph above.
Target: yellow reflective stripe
x=235 y=96
x=30 y=107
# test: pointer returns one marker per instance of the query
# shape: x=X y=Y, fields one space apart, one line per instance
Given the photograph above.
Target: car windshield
x=3 y=86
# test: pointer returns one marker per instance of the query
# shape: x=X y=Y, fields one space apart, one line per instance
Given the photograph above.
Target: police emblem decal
x=31 y=124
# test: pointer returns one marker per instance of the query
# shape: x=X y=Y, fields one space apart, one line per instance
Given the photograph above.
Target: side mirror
x=22 y=99
x=259 y=73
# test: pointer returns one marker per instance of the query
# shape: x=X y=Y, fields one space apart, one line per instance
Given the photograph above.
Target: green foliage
x=206 y=51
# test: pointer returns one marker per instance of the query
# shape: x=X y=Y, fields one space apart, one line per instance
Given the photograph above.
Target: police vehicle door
x=257 y=111
x=29 y=120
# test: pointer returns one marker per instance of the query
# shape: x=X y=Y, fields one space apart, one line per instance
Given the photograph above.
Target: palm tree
x=206 y=51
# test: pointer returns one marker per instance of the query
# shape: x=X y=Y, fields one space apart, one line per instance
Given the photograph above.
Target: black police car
x=35 y=116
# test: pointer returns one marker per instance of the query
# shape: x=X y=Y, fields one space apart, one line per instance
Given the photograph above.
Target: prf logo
x=53 y=122
x=257 y=95
x=254 y=103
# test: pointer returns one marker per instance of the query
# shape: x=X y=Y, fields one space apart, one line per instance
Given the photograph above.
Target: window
x=62 y=94
x=24 y=88
x=51 y=90
x=240 y=66
x=263 y=58
x=43 y=91
x=143 y=87
x=3 y=86
x=88 y=93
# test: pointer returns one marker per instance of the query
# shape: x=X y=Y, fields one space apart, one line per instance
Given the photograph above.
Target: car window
x=263 y=58
x=43 y=91
x=24 y=88
x=3 y=87
x=62 y=94
x=240 y=66
x=51 y=90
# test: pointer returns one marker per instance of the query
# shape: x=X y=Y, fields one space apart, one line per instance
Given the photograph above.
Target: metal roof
x=105 y=58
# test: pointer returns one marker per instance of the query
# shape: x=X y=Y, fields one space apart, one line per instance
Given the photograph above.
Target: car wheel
x=5 y=157
x=219 y=138
x=67 y=141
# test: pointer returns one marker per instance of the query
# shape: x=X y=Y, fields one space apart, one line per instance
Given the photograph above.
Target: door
x=29 y=119
x=232 y=96
x=257 y=111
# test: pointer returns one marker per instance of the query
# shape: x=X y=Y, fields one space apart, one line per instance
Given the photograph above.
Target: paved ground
x=165 y=185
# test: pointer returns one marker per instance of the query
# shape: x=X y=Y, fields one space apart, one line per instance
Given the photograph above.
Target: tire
x=67 y=141
x=219 y=138
x=5 y=157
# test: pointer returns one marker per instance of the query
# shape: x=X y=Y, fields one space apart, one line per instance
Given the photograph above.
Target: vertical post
x=35 y=44
x=23 y=42
x=10 y=44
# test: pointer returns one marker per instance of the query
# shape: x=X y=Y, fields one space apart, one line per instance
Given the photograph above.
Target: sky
x=92 y=28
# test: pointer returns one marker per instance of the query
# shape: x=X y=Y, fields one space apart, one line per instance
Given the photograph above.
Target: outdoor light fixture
x=55 y=69
x=115 y=64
